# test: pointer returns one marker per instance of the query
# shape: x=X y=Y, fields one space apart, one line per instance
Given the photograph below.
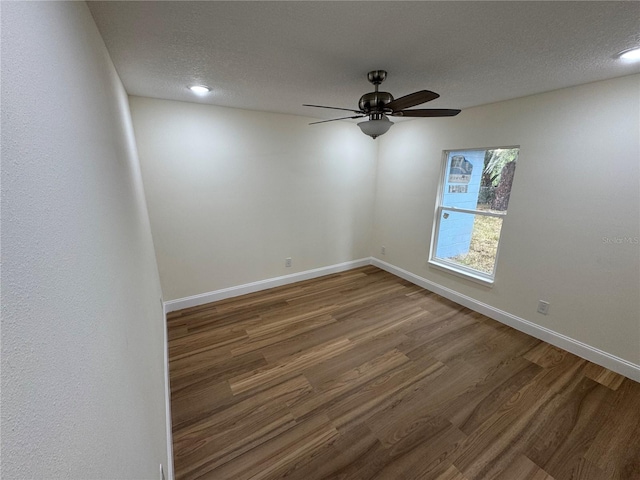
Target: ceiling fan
x=379 y=105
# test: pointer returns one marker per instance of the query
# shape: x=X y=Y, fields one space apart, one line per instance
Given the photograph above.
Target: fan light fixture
x=379 y=105
x=632 y=54
x=376 y=127
x=200 y=89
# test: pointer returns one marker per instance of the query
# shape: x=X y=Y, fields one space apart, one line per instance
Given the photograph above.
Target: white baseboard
x=167 y=398
x=195 y=300
x=616 y=364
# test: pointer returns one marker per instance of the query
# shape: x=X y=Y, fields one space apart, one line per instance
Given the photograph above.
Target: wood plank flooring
x=362 y=375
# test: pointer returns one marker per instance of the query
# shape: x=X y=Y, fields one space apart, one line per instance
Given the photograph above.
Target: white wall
x=576 y=184
x=82 y=326
x=232 y=193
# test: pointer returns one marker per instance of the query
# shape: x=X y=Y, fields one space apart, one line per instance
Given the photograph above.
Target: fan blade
x=427 y=112
x=333 y=108
x=411 y=100
x=334 y=119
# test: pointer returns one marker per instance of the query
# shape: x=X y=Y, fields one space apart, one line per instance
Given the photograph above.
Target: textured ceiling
x=275 y=56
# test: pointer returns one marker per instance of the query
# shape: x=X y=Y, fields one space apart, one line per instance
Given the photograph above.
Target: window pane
x=499 y=167
x=479 y=179
x=462 y=179
x=469 y=240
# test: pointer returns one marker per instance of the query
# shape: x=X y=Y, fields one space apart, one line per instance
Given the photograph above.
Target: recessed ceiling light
x=200 y=89
x=632 y=54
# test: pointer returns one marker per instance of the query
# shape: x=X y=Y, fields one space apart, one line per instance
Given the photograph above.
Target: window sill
x=450 y=268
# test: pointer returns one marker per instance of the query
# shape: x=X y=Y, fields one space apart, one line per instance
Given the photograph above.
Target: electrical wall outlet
x=287 y=262
x=543 y=307
x=383 y=250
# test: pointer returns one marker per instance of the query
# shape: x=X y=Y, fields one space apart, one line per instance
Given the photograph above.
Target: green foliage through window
x=494 y=162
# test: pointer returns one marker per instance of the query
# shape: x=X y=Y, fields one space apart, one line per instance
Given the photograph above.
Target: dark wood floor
x=363 y=375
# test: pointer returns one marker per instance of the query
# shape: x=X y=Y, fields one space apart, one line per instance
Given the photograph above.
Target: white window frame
x=452 y=267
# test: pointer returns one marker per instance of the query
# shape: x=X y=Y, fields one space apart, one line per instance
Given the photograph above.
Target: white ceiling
x=275 y=56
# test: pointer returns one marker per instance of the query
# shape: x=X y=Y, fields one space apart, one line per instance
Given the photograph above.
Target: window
x=472 y=204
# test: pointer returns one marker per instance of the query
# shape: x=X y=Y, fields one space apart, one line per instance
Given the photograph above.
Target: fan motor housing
x=374 y=101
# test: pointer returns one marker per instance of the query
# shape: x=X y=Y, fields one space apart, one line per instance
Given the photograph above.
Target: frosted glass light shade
x=375 y=128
